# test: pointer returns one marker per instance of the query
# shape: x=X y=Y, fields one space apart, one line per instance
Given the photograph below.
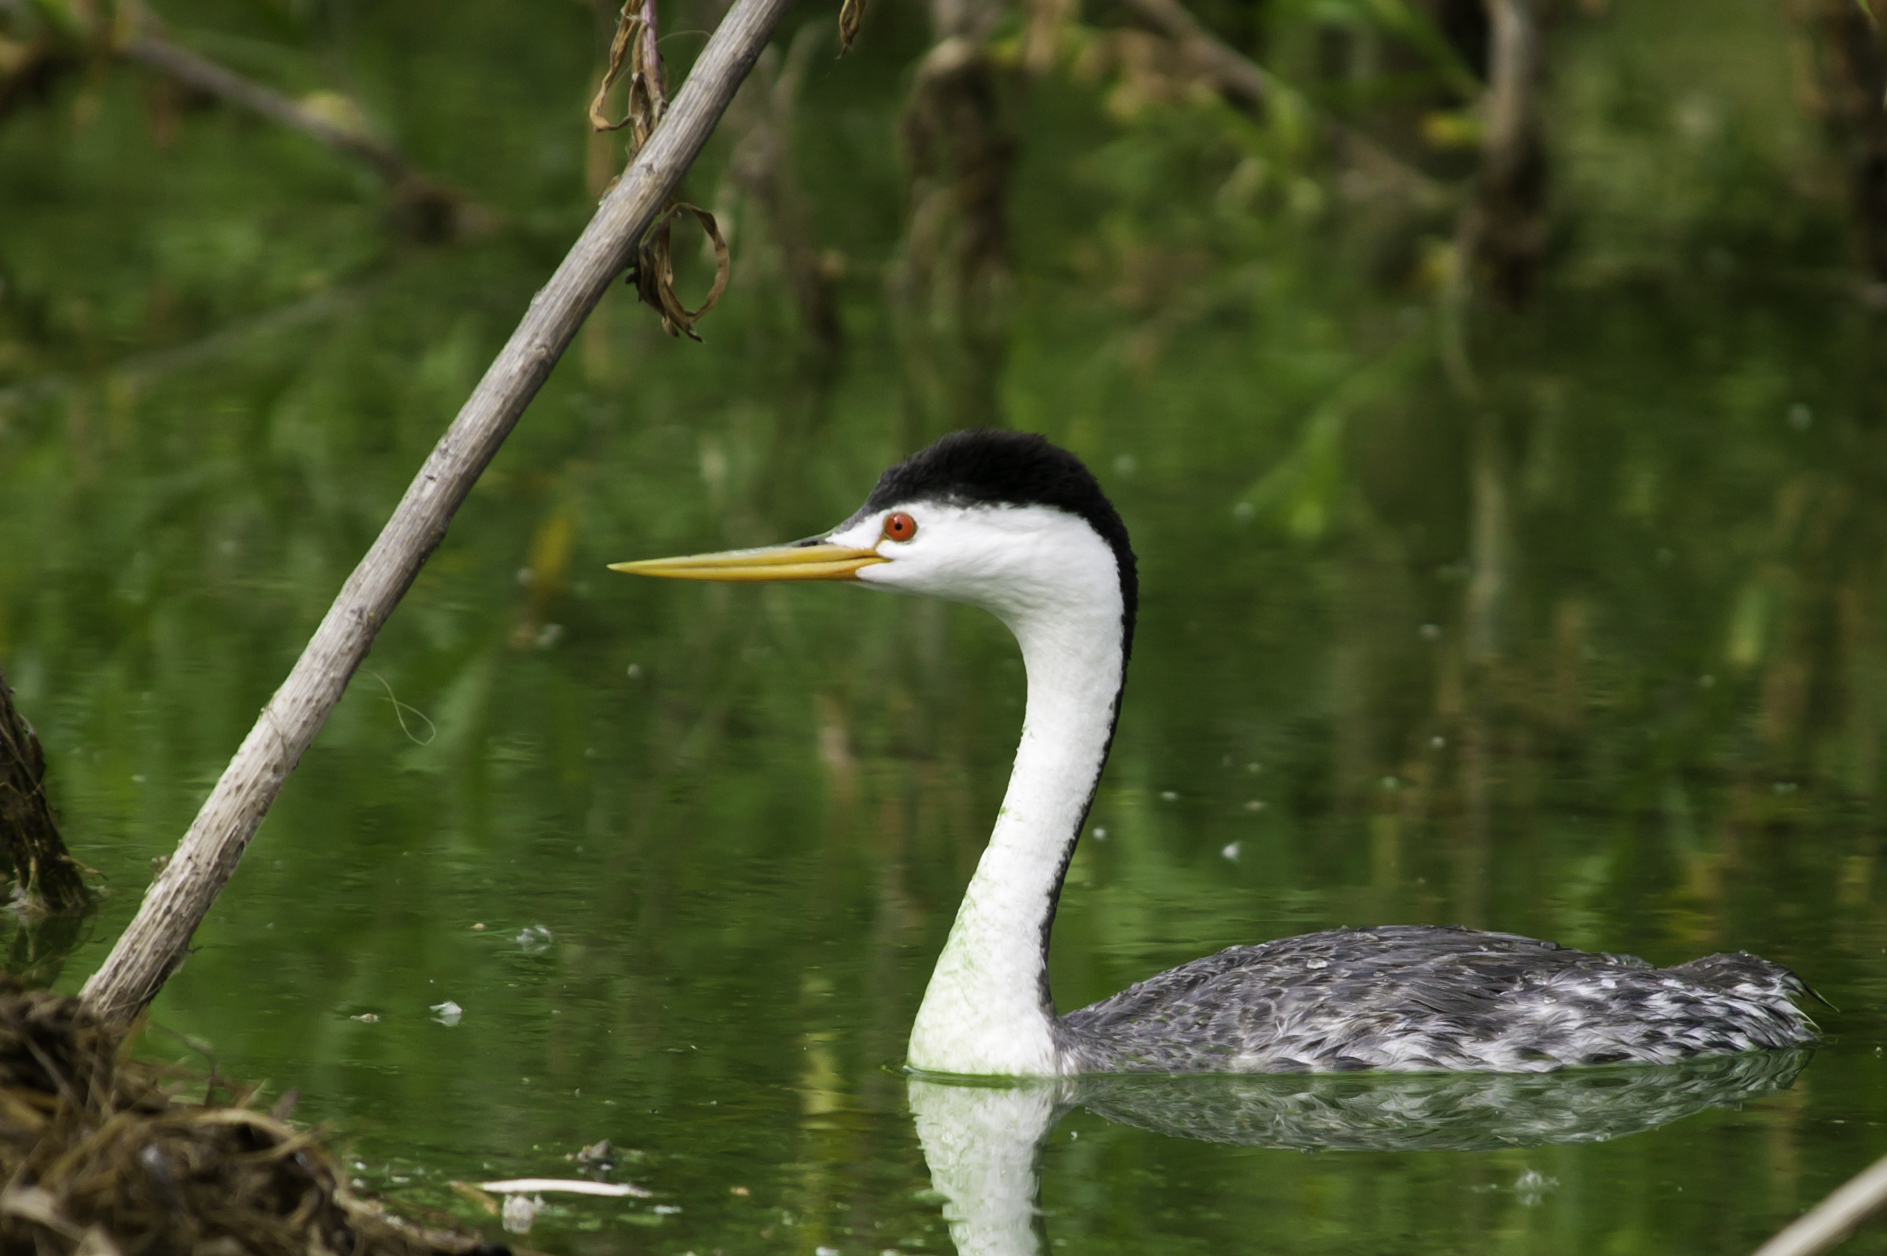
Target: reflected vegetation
x=1594 y=652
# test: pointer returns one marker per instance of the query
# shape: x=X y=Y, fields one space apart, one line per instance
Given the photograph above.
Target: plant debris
x=101 y=1154
x=47 y=880
x=654 y=273
x=851 y=17
x=635 y=49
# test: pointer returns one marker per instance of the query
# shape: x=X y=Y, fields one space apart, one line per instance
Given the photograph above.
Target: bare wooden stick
x=158 y=938
x=1830 y=1221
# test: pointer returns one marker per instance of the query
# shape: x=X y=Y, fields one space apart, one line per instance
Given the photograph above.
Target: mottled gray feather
x=1418 y=997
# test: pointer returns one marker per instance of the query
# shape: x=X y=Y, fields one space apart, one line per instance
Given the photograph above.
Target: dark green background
x=745 y=815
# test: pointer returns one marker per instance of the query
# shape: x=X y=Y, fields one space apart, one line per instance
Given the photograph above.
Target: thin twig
x=428 y=208
x=201 y=72
x=157 y=939
x=1240 y=77
x=1830 y=1221
x=652 y=62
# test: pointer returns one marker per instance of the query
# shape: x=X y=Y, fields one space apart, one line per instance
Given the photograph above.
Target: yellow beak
x=817 y=560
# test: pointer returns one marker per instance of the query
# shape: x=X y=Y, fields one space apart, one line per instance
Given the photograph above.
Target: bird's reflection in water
x=983 y=1142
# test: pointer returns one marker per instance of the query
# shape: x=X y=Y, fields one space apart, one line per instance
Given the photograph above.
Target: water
x=1627 y=694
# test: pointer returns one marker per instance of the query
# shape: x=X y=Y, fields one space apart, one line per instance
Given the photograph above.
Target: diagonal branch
x=158 y=938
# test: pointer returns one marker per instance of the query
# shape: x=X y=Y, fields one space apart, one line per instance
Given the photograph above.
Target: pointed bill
x=808 y=560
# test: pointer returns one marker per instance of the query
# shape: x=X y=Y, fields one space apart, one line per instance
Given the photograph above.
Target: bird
x=1012 y=523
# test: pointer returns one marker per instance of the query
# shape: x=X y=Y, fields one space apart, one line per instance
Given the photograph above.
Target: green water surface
x=1590 y=649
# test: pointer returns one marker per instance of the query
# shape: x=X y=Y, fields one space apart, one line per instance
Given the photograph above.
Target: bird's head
x=1001 y=520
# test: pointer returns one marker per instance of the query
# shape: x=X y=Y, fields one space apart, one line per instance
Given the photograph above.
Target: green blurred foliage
x=745 y=815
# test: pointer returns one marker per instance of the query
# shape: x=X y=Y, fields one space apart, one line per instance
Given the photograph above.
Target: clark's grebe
x=1009 y=522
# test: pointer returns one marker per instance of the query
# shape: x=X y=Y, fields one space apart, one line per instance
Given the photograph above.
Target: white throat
x=987 y=1009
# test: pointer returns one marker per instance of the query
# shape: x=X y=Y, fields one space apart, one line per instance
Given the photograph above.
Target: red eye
x=899 y=526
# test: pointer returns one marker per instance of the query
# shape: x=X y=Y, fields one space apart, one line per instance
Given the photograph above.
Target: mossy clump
x=102 y=1154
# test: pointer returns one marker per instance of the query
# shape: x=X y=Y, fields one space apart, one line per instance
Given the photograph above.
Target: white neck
x=987 y=1009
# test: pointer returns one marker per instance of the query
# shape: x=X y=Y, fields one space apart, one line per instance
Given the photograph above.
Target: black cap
x=989 y=467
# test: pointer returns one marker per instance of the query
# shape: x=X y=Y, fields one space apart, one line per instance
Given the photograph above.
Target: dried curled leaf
x=634 y=48
x=654 y=275
x=626 y=24
x=851 y=16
